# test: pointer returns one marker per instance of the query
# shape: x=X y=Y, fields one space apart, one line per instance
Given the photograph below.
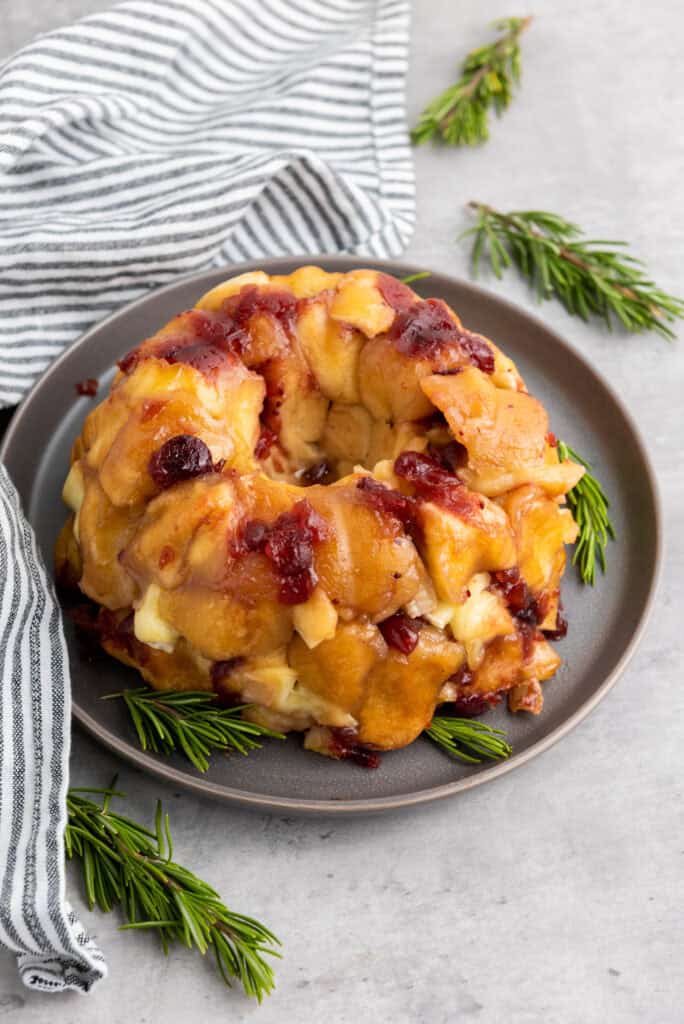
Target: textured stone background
x=555 y=895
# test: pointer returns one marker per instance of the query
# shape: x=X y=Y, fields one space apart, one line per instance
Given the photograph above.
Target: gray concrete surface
x=553 y=896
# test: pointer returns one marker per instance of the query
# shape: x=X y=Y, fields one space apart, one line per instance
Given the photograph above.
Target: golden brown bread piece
x=324 y=496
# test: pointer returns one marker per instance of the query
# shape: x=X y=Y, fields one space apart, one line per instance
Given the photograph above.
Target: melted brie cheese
x=73 y=493
x=481 y=617
x=148 y=625
x=316 y=619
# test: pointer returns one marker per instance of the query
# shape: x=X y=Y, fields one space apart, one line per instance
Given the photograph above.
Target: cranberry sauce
x=387 y=501
x=475 y=704
x=288 y=543
x=515 y=593
x=470 y=705
x=526 y=609
x=206 y=340
x=343 y=745
x=180 y=458
x=250 y=300
x=87 y=387
x=432 y=482
x=395 y=293
x=426 y=330
x=401 y=632
x=521 y=605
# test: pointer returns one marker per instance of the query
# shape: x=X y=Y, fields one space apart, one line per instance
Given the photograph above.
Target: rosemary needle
x=589 y=505
x=469 y=740
x=591 y=277
x=192 y=722
x=460 y=115
x=126 y=865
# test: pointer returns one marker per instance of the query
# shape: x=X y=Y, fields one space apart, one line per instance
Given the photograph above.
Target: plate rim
x=203 y=786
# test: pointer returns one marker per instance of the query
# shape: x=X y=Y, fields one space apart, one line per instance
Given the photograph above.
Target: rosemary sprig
x=590 y=277
x=589 y=505
x=420 y=276
x=190 y=721
x=459 y=116
x=469 y=740
x=127 y=865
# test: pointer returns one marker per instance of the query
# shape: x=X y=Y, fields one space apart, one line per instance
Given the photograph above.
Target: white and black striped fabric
x=36 y=923
x=155 y=139
x=170 y=136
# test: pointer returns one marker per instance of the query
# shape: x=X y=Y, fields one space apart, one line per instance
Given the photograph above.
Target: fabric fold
x=54 y=952
x=162 y=138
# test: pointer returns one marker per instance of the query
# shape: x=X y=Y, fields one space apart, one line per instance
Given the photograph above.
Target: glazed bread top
x=323 y=495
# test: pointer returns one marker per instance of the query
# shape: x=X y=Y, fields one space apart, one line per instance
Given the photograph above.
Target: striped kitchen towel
x=159 y=138
x=36 y=923
x=170 y=136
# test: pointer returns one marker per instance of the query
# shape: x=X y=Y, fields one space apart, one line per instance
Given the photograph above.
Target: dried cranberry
x=180 y=458
x=387 y=501
x=345 y=746
x=87 y=387
x=401 y=632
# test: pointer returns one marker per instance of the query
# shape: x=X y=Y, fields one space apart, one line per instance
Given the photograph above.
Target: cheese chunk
x=481 y=617
x=148 y=625
x=316 y=619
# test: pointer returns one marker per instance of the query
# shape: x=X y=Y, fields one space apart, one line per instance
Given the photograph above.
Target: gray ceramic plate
x=605 y=622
